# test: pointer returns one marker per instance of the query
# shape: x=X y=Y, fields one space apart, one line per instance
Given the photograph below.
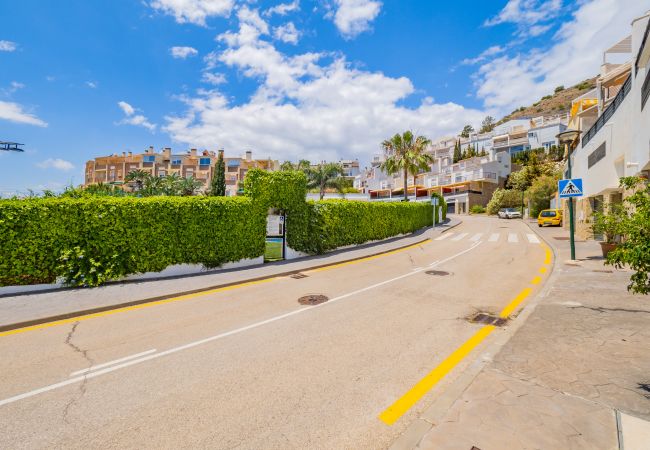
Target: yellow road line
x=536 y=280
x=549 y=255
x=542 y=270
x=403 y=404
x=517 y=300
x=194 y=295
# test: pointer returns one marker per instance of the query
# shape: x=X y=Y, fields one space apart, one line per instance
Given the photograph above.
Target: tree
x=540 y=192
x=503 y=198
x=457 y=152
x=170 y=184
x=218 y=182
x=287 y=166
x=324 y=176
x=487 y=125
x=467 y=130
x=189 y=186
x=406 y=153
x=634 y=251
x=138 y=177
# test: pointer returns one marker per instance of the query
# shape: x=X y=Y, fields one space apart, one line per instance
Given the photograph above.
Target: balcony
x=609 y=112
x=645 y=90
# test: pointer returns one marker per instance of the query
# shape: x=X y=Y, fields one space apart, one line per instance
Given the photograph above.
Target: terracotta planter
x=607 y=247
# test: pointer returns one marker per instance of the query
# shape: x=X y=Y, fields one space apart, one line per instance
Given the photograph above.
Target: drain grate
x=297 y=276
x=313 y=299
x=439 y=273
x=488 y=319
x=602 y=271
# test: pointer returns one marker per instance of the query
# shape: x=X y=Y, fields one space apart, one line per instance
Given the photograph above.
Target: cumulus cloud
x=310 y=105
x=183 y=52
x=13 y=112
x=487 y=53
x=353 y=17
x=575 y=54
x=91 y=84
x=527 y=14
x=56 y=163
x=193 y=11
x=287 y=33
x=283 y=8
x=213 y=78
x=134 y=119
x=8 y=46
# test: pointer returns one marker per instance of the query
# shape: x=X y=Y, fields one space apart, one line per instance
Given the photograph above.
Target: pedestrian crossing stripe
x=570 y=188
x=511 y=238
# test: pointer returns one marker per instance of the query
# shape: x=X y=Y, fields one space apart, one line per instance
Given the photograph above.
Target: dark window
x=149 y=158
x=548 y=213
x=596 y=155
x=204 y=161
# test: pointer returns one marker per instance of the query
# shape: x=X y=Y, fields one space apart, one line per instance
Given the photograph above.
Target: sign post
x=569 y=188
x=434 y=202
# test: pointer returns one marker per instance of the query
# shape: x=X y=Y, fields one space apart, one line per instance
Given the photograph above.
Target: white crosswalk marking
x=444 y=236
x=532 y=238
x=512 y=238
x=460 y=236
x=494 y=237
x=476 y=237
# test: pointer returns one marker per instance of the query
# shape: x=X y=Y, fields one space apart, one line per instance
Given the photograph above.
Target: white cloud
x=183 y=52
x=526 y=12
x=14 y=112
x=353 y=17
x=510 y=81
x=194 y=11
x=490 y=51
x=213 y=78
x=312 y=105
x=287 y=33
x=8 y=46
x=56 y=163
x=91 y=84
x=283 y=8
x=134 y=119
x=13 y=87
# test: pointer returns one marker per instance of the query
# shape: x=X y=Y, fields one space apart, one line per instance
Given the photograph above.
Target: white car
x=509 y=213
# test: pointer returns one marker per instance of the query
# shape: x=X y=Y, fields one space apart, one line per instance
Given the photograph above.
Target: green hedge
x=133 y=234
x=335 y=223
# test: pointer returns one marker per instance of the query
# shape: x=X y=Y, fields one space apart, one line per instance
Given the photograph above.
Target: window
x=548 y=213
x=548 y=145
x=176 y=162
x=204 y=161
x=149 y=158
x=162 y=173
x=233 y=163
x=596 y=155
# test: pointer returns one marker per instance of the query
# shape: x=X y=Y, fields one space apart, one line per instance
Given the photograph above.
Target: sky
x=299 y=79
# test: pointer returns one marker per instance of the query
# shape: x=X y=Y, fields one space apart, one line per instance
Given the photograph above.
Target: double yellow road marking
x=422 y=387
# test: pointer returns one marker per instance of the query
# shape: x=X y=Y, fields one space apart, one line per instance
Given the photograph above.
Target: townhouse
x=113 y=169
x=614 y=119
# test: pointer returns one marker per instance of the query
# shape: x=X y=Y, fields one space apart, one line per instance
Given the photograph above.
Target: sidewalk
x=39 y=307
x=574 y=375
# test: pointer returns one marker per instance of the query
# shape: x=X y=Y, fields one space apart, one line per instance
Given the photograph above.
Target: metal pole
x=571 y=222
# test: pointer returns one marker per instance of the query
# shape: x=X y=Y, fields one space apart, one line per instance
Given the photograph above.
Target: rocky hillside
x=555 y=103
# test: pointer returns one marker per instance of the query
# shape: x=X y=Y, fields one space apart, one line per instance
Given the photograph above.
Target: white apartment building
x=615 y=122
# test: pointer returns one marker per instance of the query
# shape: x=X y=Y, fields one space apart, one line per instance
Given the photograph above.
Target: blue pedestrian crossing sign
x=570 y=188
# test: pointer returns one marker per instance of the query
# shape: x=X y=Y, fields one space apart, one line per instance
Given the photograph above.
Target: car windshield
x=511 y=210
x=548 y=213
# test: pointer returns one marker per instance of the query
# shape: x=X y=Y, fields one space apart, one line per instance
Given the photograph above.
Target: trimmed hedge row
x=335 y=223
x=133 y=235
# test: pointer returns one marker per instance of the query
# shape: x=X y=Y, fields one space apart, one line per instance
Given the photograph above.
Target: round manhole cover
x=439 y=273
x=313 y=299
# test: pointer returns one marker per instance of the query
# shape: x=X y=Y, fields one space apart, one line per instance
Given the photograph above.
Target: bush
x=120 y=236
x=477 y=209
x=540 y=192
x=504 y=198
x=559 y=89
x=335 y=223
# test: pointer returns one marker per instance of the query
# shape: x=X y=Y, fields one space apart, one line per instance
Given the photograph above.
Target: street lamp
x=570 y=139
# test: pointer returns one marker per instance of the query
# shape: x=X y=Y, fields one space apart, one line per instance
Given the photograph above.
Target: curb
x=84 y=312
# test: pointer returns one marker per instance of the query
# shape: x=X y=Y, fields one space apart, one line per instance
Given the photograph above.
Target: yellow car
x=550 y=217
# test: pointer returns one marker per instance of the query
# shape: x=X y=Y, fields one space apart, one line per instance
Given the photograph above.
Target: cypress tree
x=218 y=182
x=457 y=152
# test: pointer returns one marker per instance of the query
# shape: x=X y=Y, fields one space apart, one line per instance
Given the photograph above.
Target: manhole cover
x=440 y=273
x=313 y=299
x=297 y=276
x=488 y=319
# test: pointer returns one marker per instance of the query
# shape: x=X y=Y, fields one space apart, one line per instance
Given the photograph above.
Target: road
x=250 y=367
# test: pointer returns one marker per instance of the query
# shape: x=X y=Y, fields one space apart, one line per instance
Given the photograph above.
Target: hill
x=558 y=102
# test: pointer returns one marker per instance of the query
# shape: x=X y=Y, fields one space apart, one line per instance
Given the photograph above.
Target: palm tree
x=189 y=186
x=171 y=184
x=406 y=153
x=323 y=176
x=137 y=176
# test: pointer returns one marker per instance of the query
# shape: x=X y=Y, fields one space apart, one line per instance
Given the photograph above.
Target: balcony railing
x=609 y=112
x=645 y=90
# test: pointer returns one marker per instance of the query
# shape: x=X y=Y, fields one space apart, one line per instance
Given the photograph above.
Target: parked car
x=552 y=217
x=509 y=213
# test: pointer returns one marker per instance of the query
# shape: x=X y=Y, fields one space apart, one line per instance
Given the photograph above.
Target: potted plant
x=610 y=223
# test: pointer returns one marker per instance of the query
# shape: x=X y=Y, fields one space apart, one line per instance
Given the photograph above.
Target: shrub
x=477 y=209
x=559 y=89
x=504 y=198
x=335 y=223
x=122 y=236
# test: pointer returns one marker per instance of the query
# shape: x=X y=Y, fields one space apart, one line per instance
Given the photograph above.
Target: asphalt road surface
x=249 y=367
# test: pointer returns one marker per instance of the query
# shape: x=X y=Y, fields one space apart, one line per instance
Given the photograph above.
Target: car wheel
x=539 y=225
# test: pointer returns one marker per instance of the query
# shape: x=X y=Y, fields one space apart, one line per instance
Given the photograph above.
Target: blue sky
x=316 y=79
